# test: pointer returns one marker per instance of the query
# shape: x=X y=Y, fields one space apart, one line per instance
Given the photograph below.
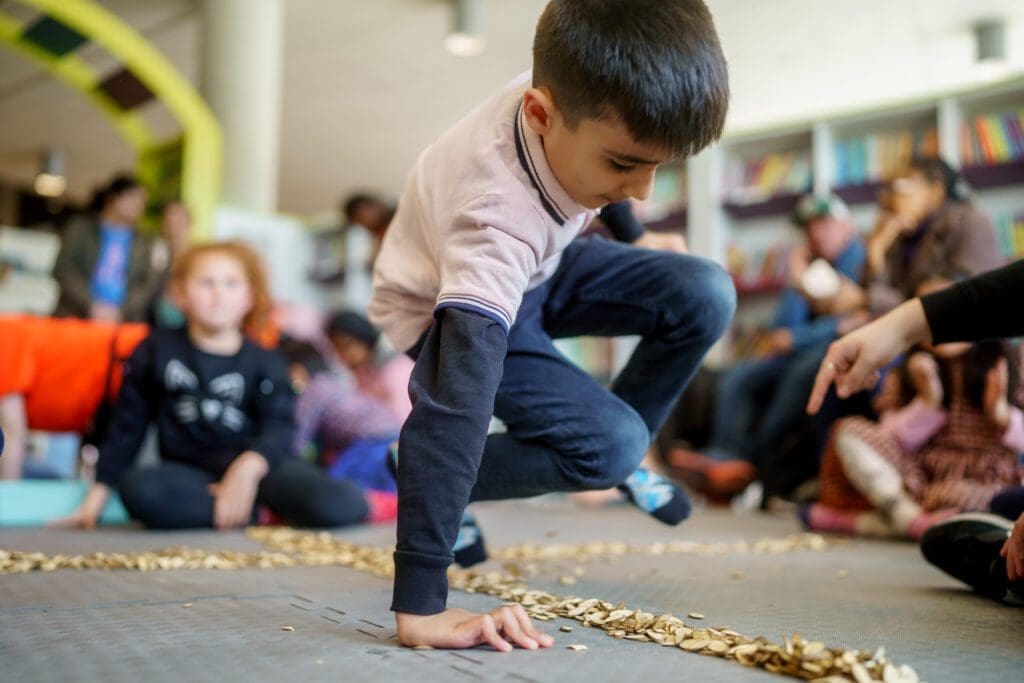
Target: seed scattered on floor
x=287 y=628
x=842 y=574
x=695 y=615
x=319 y=661
x=566 y=629
x=567 y=580
x=738 y=574
x=576 y=648
x=187 y=604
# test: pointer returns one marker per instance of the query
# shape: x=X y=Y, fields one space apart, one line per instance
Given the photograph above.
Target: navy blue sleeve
x=986 y=306
x=458 y=369
x=274 y=414
x=133 y=412
x=621 y=222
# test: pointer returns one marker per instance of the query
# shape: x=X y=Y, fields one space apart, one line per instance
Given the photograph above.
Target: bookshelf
x=738 y=212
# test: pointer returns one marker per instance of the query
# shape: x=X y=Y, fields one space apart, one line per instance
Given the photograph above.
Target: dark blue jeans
x=760 y=402
x=173 y=495
x=566 y=432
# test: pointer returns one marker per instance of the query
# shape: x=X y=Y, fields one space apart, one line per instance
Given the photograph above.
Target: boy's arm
x=453 y=385
x=132 y=416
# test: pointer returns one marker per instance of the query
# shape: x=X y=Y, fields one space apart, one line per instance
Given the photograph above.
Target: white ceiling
x=367 y=84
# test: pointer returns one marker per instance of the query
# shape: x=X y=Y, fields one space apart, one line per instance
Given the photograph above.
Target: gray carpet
x=121 y=626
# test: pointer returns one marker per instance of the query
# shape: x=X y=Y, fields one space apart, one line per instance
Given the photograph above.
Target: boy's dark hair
x=656 y=65
x=303 y=353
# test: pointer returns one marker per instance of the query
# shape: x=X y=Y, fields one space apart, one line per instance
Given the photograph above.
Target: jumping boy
x=479 y=271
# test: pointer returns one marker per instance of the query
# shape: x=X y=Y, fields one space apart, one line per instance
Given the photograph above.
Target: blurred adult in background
x=175 y=225
x=760 y=402
x=371 y=213
x=926 y=224
x=105 y=267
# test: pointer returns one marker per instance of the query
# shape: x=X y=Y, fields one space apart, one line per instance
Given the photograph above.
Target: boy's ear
x=539 y=110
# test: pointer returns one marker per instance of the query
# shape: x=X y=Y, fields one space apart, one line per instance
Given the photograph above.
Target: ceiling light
x=990 y=46
x=51 y=181
x=466 y=39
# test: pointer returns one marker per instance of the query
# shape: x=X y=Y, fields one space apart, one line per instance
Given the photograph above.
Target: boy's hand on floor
x=502 y=629
x=235 y=494
x=1013 y=551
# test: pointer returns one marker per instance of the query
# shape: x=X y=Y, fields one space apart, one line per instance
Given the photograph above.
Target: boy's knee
x=702 y=294
x=624 y=446
x=719 y=299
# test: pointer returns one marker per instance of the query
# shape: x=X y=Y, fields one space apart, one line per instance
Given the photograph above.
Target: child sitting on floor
x=346 y=432
x=224 y=411
x=952 y=448
x=377 y=373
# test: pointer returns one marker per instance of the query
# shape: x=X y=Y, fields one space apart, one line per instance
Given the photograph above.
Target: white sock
x=876 y=479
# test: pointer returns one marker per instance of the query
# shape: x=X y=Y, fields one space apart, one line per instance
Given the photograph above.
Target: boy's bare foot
x=504 y=628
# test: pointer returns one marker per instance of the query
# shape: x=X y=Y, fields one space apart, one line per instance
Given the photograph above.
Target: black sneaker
x=967 y=548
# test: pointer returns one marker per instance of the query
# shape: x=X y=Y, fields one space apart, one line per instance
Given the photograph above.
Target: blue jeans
x=760 y=402
x=173 y=495
x=566 y=432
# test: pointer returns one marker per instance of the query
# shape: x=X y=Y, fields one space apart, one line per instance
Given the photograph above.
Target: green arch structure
x=189 y=164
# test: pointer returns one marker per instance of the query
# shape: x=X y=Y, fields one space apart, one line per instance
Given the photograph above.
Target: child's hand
x=997 y=382
x=1013 y=551
x=502 y=629
x=235 y=494
x=924 y=375
x=88 y=512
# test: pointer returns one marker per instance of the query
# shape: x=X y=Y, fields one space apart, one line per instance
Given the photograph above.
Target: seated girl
x=224 y=411
x=951 y=448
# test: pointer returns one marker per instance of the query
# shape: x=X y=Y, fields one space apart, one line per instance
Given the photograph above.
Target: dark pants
x=761 y=402
x=1009 y=503
x=172 y=495
x=566 y=432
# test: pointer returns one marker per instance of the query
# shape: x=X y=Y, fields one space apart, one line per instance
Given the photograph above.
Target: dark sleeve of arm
x=132 y=416
x=986 y=306
x=453 y=387
x=73 y=281
x=275 y=412
x=621 y=222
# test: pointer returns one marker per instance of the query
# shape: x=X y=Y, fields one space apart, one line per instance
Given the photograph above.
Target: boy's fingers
x=509 y=622
x=530 y=628
x=489 y=634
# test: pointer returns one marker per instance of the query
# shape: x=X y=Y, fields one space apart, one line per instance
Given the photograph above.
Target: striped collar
x=530 y=149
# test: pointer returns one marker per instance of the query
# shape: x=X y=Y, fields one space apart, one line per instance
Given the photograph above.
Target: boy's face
x=599 y=162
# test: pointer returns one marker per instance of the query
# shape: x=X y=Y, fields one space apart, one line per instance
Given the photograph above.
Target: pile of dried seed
x=583 y=552
x=795 y=657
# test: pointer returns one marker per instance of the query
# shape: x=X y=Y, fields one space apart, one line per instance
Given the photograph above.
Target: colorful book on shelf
x=1015 y=134
x=987 y=146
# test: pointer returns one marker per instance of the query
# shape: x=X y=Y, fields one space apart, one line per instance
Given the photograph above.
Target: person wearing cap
x=382 y=375
x=760 y=401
